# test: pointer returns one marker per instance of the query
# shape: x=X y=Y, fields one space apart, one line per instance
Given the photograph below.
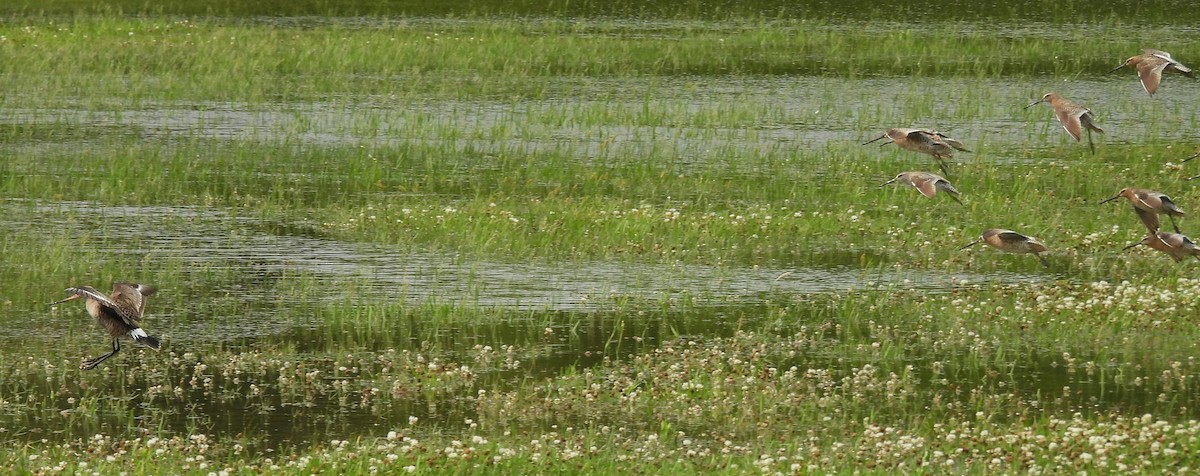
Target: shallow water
x=578 y=313
x=243 y=265
x=803 y=112
x=210 y=238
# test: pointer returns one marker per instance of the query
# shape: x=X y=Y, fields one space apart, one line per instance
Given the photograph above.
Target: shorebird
x=1190 y=157
x=1149 y=205
x=928 y=184
x=118 y=315
x=1175 y=245
x=1150 y=66
x=1010 y=241
x=1073 y=117
x=925 y=141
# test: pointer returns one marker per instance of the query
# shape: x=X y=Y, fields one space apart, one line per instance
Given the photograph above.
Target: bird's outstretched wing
x=126 y=300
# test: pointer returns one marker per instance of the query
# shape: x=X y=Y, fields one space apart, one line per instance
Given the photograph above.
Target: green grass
x=355 y=225
x=1149 y=12
x=93 y=58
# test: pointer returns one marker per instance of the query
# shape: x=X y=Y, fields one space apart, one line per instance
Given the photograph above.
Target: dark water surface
x=243 y=270
x=803 y=112
x=244 y=274
x=211 y=239
x=576 y=315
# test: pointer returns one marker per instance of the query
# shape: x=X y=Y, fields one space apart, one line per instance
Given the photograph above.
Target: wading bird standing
x=1073 y=117
x=1010 y=241
x=925 y=141
x=1149 y=205
x=1150 y=66
x=118 y=315
x=1174 y=245
x=928 y=184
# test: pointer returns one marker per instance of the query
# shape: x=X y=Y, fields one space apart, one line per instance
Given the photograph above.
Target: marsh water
x=244 y=268
x=816 y=113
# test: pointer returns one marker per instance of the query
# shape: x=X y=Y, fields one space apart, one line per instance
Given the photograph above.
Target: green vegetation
x=589 y=238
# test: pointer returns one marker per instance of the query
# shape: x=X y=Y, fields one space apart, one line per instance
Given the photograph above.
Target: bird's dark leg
x=942 y=165
x=1090 y=144
x=1172 y=217
x=92 y=363
x=1045 y=262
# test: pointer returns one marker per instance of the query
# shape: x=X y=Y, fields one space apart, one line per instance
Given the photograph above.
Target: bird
x=119 y=315
x=1010 y=241
x=1190 y=157
x=925 y=141
x=928 y=184
x=1073 y=117
x=1149 y=205
x=1150 y=66
x=1175 y=245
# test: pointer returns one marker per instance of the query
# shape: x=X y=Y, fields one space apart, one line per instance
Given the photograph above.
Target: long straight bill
x=72 y=297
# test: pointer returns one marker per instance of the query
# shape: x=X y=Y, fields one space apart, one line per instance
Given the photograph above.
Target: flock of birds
x=119 y=313
x=1076 y=119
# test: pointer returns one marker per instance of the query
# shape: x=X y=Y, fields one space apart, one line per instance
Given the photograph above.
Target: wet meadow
x=592 y=237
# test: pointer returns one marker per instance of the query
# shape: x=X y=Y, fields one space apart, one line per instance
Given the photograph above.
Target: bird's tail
x=147 y=340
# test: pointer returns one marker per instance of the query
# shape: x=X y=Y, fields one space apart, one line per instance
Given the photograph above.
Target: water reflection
x=574 y=317
x=802 y=112
x=207 y=239
x=571 y=321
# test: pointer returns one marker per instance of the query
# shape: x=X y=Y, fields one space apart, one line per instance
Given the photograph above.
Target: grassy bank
x=550 y=243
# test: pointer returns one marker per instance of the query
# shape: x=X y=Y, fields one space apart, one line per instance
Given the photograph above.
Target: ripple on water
x=602 y=118
x=211 y=238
